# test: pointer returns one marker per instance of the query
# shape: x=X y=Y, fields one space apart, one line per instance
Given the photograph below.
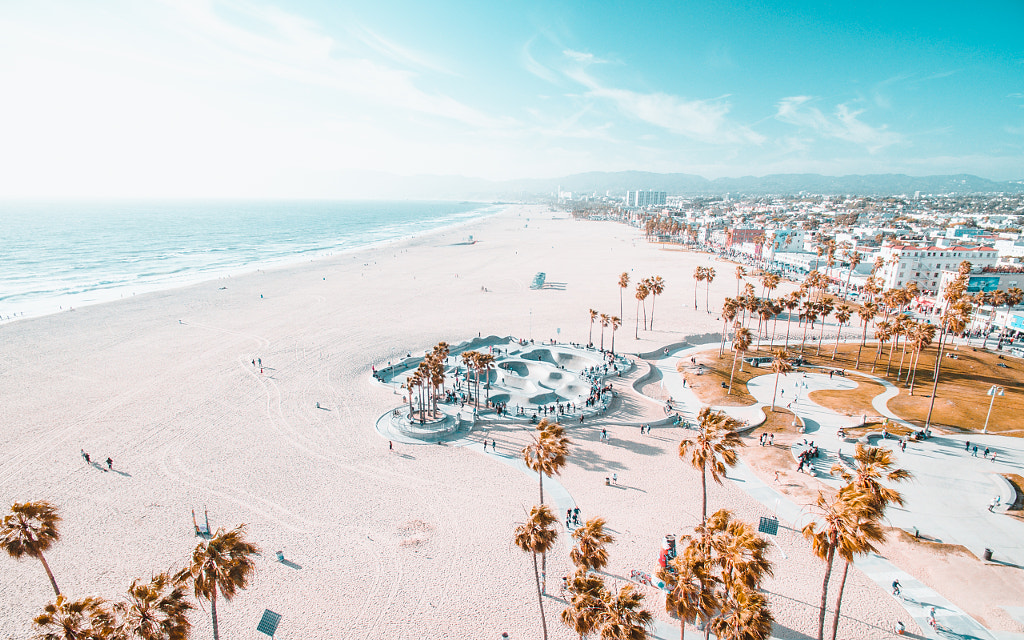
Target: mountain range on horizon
x=376 y=184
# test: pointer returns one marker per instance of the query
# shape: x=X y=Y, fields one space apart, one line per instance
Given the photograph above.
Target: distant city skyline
x=203 y=98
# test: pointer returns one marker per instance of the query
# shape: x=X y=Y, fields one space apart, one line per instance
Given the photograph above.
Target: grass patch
x=715 y=372
x=876 y=426
x=853 y=402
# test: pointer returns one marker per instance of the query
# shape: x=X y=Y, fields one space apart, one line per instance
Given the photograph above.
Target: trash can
x=608 y=481
x=987 y=555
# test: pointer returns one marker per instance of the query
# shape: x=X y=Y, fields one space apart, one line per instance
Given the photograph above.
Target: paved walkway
x=947 y=501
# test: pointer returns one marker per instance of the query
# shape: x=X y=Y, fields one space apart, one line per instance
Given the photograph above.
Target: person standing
x=110 y=464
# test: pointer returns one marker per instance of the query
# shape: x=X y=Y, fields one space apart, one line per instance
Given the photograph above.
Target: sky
x=256 y=98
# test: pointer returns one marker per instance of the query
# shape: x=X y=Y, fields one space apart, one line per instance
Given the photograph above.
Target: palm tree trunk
x=707 y=297
x=821 y=336
x=732 y=373
x=704 y=496
x=540 y=598
x=653 y=298
x=213 y=612
x=878 y=352
x=935 y=383
x=913 y=364
x=839 y=600
x=696 y=282
x=621 y=315
x=863 y=339
x=590 y=338
x=776 y=390
x=839 y=331
x=892 y=347
x=645 y=314
x=824 y=592
x=899 y=372
x=789 y=320
x=804 y=340
x=49 y=574
x=725 y=332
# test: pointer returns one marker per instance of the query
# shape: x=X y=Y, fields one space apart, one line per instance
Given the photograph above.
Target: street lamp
x=993 y=391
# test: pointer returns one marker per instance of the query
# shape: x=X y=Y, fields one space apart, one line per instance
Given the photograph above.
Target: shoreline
x=98 y=295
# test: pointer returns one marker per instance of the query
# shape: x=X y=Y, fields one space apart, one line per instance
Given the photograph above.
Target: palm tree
x=1011 y=299
x=825 y=307
x=842 y=314
x=690 y=588
x=471 y=360
x=810 y=316
x=867 y=313
x=616 y=322
x=953 y=320
x=740 y=343
x=657 y=287
x=729 y=310
x=922 y=337
x=641 y=298
x=744 y=615
x=698 y=276
x=624 y=617
x=854 y=258
x=156 y=610
x=740 y=272
x=590 y=338
x=604 y=322
x=791 y=302
x=864 y=532
x=780 y=365
x=883 y=333
x=223 y=563
x=484 y=362
x=872 y=465
x=838 y=521
x=709 y=276
x=590 y=554
x=537 y=535
x=587 y=599
x=29 y=530
x=712 y=450
x=86 y=619
x=623 y=283
x=769 y=282
x=546 y=454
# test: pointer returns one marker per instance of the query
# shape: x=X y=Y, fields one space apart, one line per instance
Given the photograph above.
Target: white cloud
x=845 y=124
x=582 y=57
x=703 y=120
x=533 y=66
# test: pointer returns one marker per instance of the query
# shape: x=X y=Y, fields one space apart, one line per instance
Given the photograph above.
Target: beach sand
x=410 y=543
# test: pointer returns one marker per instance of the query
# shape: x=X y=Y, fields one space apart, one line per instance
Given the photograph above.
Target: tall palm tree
x=729 y=310
x=223 y=564
x=770 y=282
x=587 y=599
x=157 y=610
x=854 y=258
x=484 y=362
x=657 y=287
x=860 y=539
x=883 y=333
x=709 y=276
x=1011 y=299
x=590 y=337
x=624 y=616
x=740 y=343
x=744 y=615
x=537 y=535
x=825 y=307
x=953 y=320
x=712 y=450
x=615 y=322
x=839 y=515
x=791 y=302
x=780 y=365
x=623 y=283
x=29 y=530
x=546 y=455
x=740 y=272
x=471 y=361
x=922 y=337
x=641 y=298
x=867 y=313
x=810 y=316
x=86 y=619
x=872 y=465
x=604 y=322
x=842 y=314
x=590 y=554
x=698 y=276
x=689 y=588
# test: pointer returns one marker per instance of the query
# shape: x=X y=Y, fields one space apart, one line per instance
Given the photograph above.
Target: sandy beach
x=410 y=543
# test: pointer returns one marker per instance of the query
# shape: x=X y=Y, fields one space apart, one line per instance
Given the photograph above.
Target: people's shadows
x=625 y=487
x=289 y=563
x=591 y=461
x=637 y=447
x=810 y=426
x=405 y=455
x=122 y=473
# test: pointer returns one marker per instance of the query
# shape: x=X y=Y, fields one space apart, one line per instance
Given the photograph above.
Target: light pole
x=994 y=391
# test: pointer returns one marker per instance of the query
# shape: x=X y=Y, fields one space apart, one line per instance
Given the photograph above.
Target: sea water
x=57 y=256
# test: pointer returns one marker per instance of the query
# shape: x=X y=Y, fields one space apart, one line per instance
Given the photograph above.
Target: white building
x=906 y=263
x=645 y=198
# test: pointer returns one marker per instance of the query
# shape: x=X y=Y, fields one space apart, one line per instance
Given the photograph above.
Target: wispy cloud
x=274 y=42
x=533 y=66
x=395 y=51
x=844 y=124
x=703 y=120
x=583 y=58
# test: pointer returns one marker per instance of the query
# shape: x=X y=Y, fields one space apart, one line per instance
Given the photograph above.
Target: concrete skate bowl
x=559 y=358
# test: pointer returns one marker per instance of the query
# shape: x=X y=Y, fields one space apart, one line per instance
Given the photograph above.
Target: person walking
x=110 y=464
x=615 y=478
x=896 y=588
x=967 y=446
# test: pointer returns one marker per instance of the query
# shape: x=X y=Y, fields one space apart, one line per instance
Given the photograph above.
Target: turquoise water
x=54 y=256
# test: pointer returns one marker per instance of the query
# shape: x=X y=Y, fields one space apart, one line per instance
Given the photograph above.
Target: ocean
x=56 y=256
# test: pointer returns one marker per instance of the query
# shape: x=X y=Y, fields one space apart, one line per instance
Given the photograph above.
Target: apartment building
x=905 y=263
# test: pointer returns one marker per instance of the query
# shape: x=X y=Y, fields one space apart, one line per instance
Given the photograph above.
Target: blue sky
x=241 y=97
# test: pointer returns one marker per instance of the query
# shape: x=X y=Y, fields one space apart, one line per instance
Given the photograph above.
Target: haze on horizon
x=212 y=98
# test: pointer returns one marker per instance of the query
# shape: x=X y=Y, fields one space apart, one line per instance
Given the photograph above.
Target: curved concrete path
x=948 y=501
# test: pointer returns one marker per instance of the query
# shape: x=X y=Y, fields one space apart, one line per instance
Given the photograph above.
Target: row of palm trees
x=151 y=610
x=428 y=379
x=703 y=274
x=605 y=321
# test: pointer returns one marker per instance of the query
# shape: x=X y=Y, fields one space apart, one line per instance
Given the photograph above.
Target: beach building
x=641 y=199
x=924 y=264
